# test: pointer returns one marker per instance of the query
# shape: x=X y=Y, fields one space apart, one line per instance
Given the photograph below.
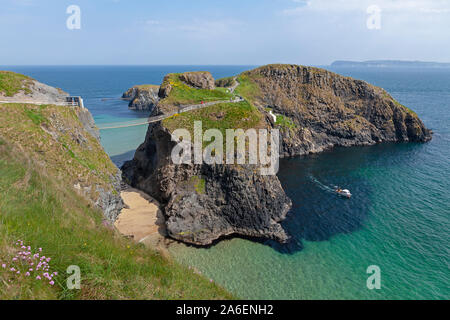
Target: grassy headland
x=12 y=83
x=183 y=94
x=38 y=205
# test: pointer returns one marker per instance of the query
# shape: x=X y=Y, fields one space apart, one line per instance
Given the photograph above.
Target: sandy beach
x=142 y=220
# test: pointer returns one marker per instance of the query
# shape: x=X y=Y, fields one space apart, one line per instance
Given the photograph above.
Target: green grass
x=285 y=122
x=225 y=82
x=12 y=83
x=39 y=206
x=182 y=94
x=221 y=116
x=147 y=86
x=248 y=88
x=388 y=96
x=70 y=152
x=199 y=184
x=36 y=115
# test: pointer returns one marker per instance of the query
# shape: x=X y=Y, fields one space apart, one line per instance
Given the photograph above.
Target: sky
x=219 y=32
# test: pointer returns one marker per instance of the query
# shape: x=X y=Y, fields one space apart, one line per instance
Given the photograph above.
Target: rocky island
x=142 y=97
x=314 y=109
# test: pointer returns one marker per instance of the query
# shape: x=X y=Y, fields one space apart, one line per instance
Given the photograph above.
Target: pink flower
x=40 y=249
x=27 y=274
x=31 y=270
x=12 y=269
x=38 y=278
x=52 y=282
x=14 y=259
x=3 y=266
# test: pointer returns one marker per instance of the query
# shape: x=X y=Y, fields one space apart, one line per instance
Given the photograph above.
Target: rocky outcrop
x=226 y=82
x=142 y=98
x=165 y=88
x=203 y=203
x=199 y=80
x=319 y=109
x=108 y=199
x=88 y=122
x=314 y=109
x=95 y=177
x=20 y=88
x=65 y=140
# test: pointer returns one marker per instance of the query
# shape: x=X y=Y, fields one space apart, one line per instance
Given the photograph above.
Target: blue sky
x=255 y=32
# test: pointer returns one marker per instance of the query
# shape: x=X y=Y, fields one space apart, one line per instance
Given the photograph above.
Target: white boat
x=344 y=193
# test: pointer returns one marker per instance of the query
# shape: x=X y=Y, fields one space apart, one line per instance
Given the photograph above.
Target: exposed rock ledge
x=206 y=202
x=72 y=141
x=142 y=97
x=315 y=109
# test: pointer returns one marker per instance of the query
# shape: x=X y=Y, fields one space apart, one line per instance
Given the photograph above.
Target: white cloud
x=405 y=6
x=195 y=29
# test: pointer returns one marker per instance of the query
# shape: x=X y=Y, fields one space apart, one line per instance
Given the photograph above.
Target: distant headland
x=390 y=63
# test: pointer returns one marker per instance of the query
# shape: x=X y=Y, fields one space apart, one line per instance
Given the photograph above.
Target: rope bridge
x=181 y=109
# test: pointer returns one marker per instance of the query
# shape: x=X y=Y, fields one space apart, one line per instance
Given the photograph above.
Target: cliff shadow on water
x=120 y=159
x=318 y=213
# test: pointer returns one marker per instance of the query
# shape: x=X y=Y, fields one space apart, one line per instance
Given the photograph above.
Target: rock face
x=206 y=202
x=30 y=90
x=199 y=80
x=66 y=137
x=320 y=109
x=315 y=110
x=88 y=122
x=142 y=98
x=108 y=199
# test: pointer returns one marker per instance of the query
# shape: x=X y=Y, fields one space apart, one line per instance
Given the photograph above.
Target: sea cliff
x=60 y=192
x=314 y=110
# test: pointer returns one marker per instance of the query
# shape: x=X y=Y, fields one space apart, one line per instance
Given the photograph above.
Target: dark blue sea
x=397 y=220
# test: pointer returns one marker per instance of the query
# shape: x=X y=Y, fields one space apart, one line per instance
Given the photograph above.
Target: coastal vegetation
x=225 y=82
x=247 y=88
x=199 y=184
x=44 y=153
x=12 y=83
x=54 y=134
x=285 y=122
x=183 y=94
x=221 y=116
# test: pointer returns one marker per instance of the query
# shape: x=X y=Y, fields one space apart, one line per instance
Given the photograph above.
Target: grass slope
x=182 y=94
x=221 y=116
x=38 y=206
x=12 y=83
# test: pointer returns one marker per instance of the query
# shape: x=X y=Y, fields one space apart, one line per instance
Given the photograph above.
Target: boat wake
x=323 y=186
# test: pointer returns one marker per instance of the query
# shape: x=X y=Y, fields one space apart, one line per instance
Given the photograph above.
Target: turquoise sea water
x=398 y=218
